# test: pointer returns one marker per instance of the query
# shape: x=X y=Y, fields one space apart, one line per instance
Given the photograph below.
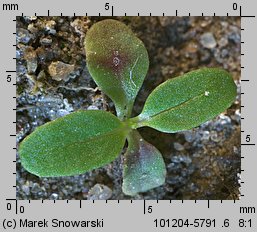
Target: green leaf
x=144 y=167
x=117 y=61
x=73 y=144
x=187 y=101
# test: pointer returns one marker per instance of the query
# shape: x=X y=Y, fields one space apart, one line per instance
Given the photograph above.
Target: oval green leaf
x=118 y=62
x=144 y=167
x=73 y=144
x=187 y=101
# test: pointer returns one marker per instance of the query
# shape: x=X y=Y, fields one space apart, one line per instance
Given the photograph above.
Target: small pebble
x=206 y=135
x=54 y=196
x=189 y=136
x=26 y=189
x=92 y=107
x=46 y=41
x=178 y=146
x=223 y=42
x=208 y=40
x=99 y=192
x=22 y=36
x=60 y=71
x=50 y=27
x=214 y=136
x=30 y=18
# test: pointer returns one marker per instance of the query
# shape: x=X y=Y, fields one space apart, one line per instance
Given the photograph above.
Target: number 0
x=234 y=6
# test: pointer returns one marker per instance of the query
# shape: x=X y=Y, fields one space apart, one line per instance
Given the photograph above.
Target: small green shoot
x=84 y=140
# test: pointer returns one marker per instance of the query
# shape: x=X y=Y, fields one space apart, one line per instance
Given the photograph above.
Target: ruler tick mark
x=144 y=206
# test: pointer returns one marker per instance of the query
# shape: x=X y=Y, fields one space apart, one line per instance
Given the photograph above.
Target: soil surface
x=53 y=80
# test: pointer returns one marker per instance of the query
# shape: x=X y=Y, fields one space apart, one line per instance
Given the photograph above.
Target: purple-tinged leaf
x=144 y=167
x=117 y=61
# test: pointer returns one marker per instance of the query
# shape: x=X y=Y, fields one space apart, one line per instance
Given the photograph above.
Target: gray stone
x=99 y=192
x=178 y=146
x=46 y=41
x=22 y=36
x=208 y=40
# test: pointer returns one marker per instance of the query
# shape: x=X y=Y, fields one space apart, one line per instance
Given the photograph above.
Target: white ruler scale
x=129 y=215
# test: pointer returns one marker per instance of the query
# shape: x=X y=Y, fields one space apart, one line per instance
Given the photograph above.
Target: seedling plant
x=88 y=139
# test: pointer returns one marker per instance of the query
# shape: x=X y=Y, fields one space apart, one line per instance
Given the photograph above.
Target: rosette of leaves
x=85 y=140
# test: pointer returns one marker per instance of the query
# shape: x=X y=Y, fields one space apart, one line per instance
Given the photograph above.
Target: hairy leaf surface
x=117 y=61
x=187 y=101
x=144 y=167
x=73 y=144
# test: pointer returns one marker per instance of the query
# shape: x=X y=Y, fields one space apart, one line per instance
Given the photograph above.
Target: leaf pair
x=86 y=140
